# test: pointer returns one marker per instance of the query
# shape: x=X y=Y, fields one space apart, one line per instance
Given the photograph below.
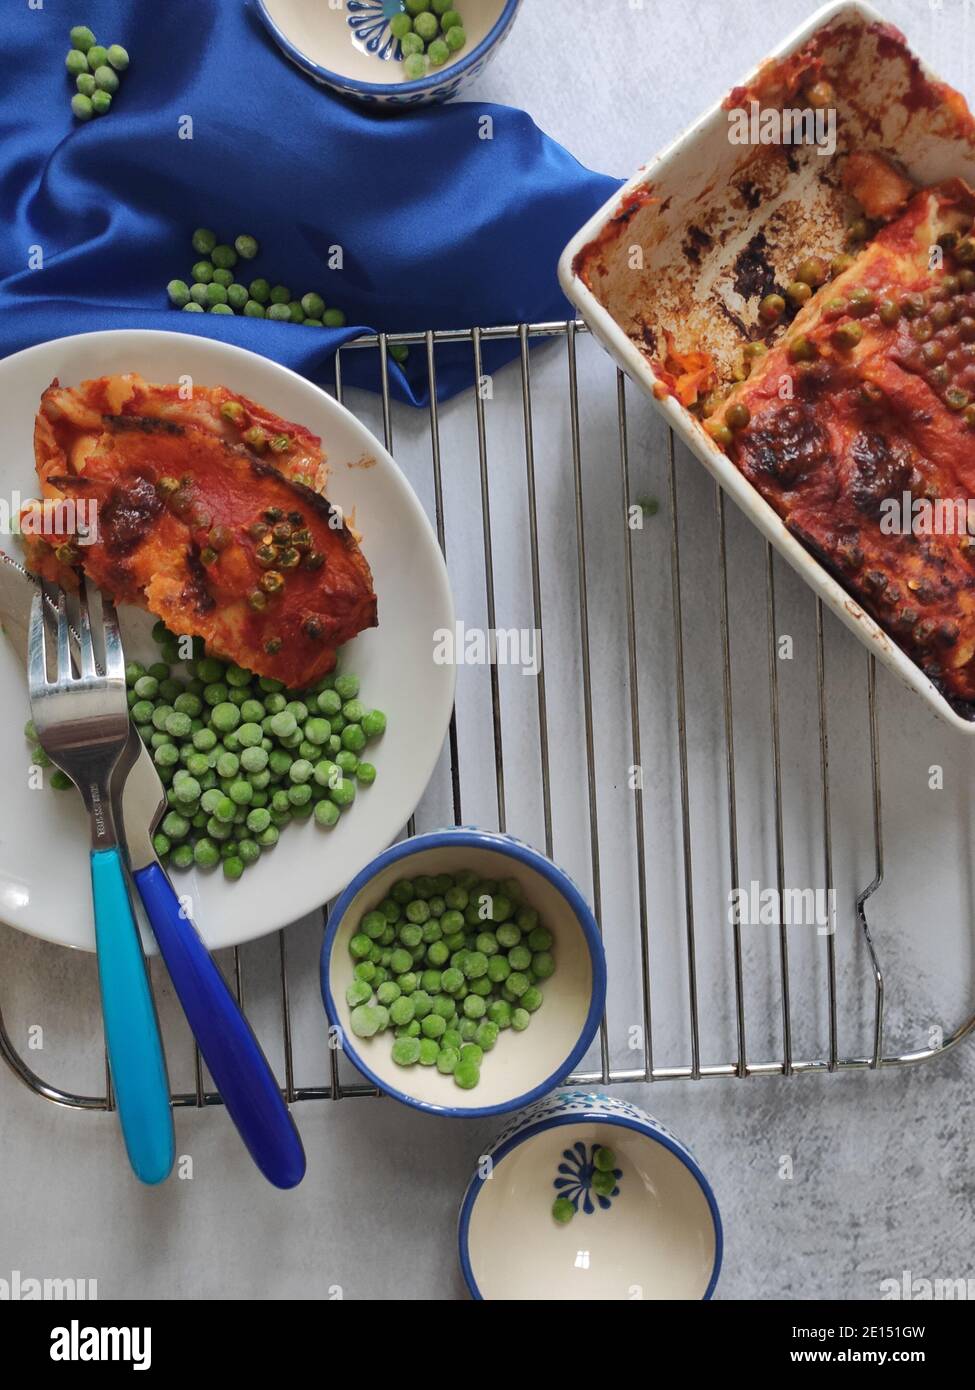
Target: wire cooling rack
x=697 y=728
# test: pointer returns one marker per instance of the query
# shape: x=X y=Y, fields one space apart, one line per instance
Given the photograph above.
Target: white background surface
x=881 y=1164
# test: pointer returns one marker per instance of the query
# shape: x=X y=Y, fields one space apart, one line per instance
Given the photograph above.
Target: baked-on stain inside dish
x=208 y=515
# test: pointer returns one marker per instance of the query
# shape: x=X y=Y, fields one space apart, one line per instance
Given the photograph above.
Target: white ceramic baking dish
x=686 y=245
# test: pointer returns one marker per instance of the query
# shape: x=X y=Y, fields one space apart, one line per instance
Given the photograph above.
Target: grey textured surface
x=880 y=1164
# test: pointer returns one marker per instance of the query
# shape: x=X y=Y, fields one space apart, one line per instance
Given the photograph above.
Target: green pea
x=204 y=241
x=406 y=1051
x=280 y=294
x=342 y=792
x=82 y=38
x=246 y=247
x=326 y=813
x=118 y=57
x=563 y=1211
x=106 y=79
x=76 y=62
x=467 y=1075
x=82 y=107
x=312 y=305
x=366 y=1020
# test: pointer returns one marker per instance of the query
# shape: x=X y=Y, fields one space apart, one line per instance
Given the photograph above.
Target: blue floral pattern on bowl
x=369 y=22
x=575 y=1184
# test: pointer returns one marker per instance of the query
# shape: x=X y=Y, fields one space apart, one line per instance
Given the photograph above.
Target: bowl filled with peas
x=463 y=973
x=390 y=53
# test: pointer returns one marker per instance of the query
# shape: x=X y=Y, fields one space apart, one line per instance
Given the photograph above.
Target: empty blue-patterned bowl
x=642 y=1221
x=350 y=48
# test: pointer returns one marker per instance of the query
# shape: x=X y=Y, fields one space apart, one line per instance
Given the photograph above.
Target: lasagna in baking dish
x=858 y=424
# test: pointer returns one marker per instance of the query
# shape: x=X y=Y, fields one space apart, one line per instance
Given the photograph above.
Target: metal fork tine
x=36 y=647
x=112 y=638
x=85 y=644
x=64 y=644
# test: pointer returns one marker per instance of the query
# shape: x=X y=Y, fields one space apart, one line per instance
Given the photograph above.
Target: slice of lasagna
x=208 y=514
x=858 y=427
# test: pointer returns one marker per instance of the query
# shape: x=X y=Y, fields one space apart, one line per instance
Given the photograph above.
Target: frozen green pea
x=563 y=1211
x=359 y=992
x=474 y=1006
x=82 y=107
x=367 y=1020
x=406 y=1051
x=82 y=38
x=204 y=241
x=343 y=792
x=447 y=1059
x=429 y=1052
x=388 y=992
x=106 y=79
x=486 y=1035
x=543 y=964
x=76 y=62
x=604 y=1160
x=531 y=999
x=246 y=247
x=520 y=1019
x=118 y=57
x=467 y=1075
x=326 y=813
x=499 y=1013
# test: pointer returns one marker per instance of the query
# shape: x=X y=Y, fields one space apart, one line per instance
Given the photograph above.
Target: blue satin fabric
x=439 y=228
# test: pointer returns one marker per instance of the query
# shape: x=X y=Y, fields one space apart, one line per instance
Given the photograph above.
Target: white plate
x=44 y=886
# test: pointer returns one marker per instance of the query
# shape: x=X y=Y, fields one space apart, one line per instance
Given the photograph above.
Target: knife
x=226 y=1041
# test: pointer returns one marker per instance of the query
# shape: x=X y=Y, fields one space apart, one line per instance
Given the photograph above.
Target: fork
x=82 y=724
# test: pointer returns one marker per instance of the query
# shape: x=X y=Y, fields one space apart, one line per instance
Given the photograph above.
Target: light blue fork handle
x=135 y=1051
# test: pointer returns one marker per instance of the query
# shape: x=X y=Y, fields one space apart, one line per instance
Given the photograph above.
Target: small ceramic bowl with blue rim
x=350 y=48
x=642 y=1220
x=522 y=1066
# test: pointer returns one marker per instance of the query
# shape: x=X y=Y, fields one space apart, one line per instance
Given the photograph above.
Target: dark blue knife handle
x=229 y=1047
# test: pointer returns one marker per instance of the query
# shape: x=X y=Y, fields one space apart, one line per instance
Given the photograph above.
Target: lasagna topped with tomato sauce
x=858 y=424
x=210 y=513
